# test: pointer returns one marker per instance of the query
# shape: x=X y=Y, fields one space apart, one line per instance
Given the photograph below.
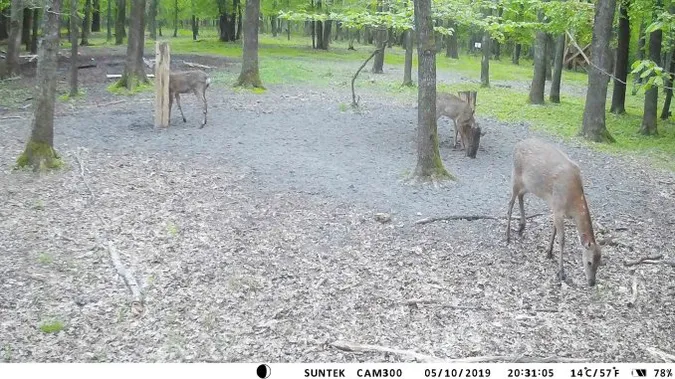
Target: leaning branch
x=468 y=218
x=423 y=358
x=666 y=357
x=355 y=101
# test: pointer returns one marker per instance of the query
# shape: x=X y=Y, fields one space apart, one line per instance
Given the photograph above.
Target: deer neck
x=582 y=218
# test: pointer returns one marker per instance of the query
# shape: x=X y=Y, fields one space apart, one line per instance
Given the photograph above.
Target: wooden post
x=162 y=62
x=469 y=97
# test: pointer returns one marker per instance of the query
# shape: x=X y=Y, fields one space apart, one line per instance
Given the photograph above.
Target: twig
x=469 y=218
x=634 y=291
x=629 y=263
x=666 y=357
x=11 y=118
x=117 y=76
x=355 y=102
x=90 y=65
x=110 y=103
x=451 y=306
x=423 y=358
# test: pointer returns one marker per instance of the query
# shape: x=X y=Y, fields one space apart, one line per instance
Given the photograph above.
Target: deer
x=462 y=116
x=542 y=169
x=195 y=81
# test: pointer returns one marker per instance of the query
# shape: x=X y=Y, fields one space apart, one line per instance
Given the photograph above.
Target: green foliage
x=53 y=326
x=655 y=75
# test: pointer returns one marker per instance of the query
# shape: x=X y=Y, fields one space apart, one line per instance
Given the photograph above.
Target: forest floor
x=257 y=238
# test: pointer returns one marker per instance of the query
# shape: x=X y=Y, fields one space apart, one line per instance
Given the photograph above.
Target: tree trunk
x=26 y=27
x=639 y=55
x=429 y=163
x=14 y=42
x=319 y=35
x=273 y=22
x=485 y=60
x=665 y=112
x=539 y=78
x=250 y=75
x=648 y=126
x=621 y=65
x=34 y=35
x=327 y=26
x=557 y=68
x=120 y=21
x=73 y=47
x=549 y=56
x=4 y=25
x=96 y=17
x=378 y=61
x=108 y=22
x=239 y=22
x=195 y=28
x=152 y=22
x=39 y=152
x=86 y=23
x=593 y=127
x=451 y=48
x=516 y=54
x=134 y=67
x=407 y=68
x=175 y=18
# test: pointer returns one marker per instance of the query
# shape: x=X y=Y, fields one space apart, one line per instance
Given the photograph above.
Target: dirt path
x=254 y=239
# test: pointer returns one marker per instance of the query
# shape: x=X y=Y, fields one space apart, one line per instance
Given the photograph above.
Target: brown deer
x=195 y=81
x=466 y=129
x=542 y=169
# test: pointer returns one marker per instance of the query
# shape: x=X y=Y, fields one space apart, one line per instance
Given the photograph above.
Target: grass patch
x=45 y=258
x=66 y=96
x=116 y=89
x=53 y=326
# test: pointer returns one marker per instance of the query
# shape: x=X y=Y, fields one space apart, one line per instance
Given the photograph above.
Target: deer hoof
x=561 y=276
x=184 y=120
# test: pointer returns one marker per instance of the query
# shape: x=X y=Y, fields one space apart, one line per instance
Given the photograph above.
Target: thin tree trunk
x=96 y=17
x=152 y=22
x=86 y=23
x=665 y=112
x=34 y=36
x=39 y=152
x=539 y=77
x=516 y=54
x=239 y=21
x=593 y=127
x=640 y=55
x=175 y=18
x=451 y=48
x=319 y=35
x=485 y=60
x=429 y=163
x=250 y=75
x=120 y=21
x=195 y=28
x=621 y=66
x=14 y=42
x=327 y=26
x=26 y=27
x=648 y=126
x=108 y=22
x=557 y=68
x=73 y=47
x=134 y=67
x=4 y=24
x=549 y=56
x=407 y=68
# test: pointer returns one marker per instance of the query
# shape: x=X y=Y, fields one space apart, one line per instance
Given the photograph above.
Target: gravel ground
x=255 y=239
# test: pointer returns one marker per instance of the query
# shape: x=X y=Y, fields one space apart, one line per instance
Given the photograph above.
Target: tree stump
x=162 y=62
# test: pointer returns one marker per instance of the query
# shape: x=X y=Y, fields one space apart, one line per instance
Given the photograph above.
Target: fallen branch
x=11 y=118
x=451 y=306
x=89 y=65
x=666 y=357
x=469 y=218
x=634 y=291
x=423 y=358
x=355 y=101
x=117 y=76
x=110 y=103
x=197 y=65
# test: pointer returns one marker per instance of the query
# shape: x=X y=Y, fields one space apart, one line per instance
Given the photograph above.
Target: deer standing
x=195 y=81
x=542 y=169
x=466 y=129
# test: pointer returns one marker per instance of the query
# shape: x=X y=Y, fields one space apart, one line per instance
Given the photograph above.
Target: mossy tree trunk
x=539 y=78
x=73 y=48
x=39 y=152
x=14 y=41
x=134 y=67
x=621 y=68
x=120 y=20
x=96 y=17
x=152 y=22
x=429 y=164
x=250 y=75
x=407 y=68
x=593 y=127
x=648 y=126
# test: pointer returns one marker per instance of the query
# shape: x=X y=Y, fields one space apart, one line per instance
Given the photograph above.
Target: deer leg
x=179 y=107
x=508 y=217
x=560 y=226
x=170 y=105
x=549 y=252
x=202 y=96
x=456 y=134
x=521 y=205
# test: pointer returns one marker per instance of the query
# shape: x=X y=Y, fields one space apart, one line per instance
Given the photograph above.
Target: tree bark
x=621 y=66
x=13 y=65
x=39 y=152
x=327 y=27
x=429 y=163
x=648 y=126
x=239 y=22
x=557 y=68
x=593 y=127
x=34 y=36
x=73 y=47
x=250 y=75
x=378 y=61
x=407 y=68
x=485 y=60
x=108 y=22
x=120 y=21
x=152 y=22
x=86 y=23
x=96 y=17
x=451 y=48
x=4 y=24
x=539 y=78
x=550 y=56
x=175 y=18
x=665 y=112
x=134 y=67
x=195 y=28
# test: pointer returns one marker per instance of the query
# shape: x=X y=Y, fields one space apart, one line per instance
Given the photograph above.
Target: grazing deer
x=462 y=116
x=540 y=168
x=195 y=81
